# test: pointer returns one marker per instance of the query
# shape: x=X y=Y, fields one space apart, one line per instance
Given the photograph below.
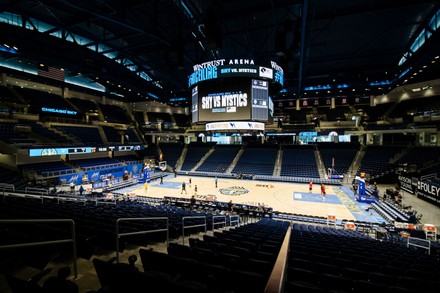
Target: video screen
x=194 y=104
x=260 y=100
x=271 y=109
x=224 y=100
x=237 y=99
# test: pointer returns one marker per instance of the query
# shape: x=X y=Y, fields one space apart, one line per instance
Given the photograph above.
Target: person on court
x=310 y=186
x=323 y=190
x=183 y=188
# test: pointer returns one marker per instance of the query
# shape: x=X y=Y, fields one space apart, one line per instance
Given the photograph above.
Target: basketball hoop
x=163 y=165
x=329 y=172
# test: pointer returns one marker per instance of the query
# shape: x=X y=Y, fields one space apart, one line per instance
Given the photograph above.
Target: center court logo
x=234 y=190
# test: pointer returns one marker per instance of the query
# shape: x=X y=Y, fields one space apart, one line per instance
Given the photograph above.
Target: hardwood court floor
x=282 y=197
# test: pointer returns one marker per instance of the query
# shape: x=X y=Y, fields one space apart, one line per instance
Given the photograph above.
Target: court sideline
x=283 y=197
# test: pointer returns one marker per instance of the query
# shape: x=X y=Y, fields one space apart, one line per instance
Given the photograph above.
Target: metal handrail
x=60 y=197
x=100 y=167
x=218 y=222
x=39 y=243
x=35 y=190
x=119 y=235
x=192 y=226
x=278 y=275
x=420 y=240
x=7 y=187
x=234 y=221
x=112 y=201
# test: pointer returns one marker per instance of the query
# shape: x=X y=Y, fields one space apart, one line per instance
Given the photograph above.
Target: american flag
x=51 y=72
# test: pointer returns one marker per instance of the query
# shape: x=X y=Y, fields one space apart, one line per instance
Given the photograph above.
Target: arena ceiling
x=316 y=42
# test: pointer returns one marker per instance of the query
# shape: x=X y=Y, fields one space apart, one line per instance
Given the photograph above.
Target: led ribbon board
x=224 y=68
x=235 y=125
x=80 y=150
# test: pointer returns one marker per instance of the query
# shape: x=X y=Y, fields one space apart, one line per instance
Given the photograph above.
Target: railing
x=47 y=174
x=41 y=243
x=120 y=184
x=34 y=190
x=99 y=167
x=131 y=162
x=298 y=179
x=237 y=220
x=105 y=200
x=278 y=275
x=192 y=226
x=103 y=184
x=7 y=187
x=419 y=242
x=264 y=177
x=119 y=235
x=68 y=198
x=218 y=222
x=63 y=120
x=207 y=174
x=58 y=197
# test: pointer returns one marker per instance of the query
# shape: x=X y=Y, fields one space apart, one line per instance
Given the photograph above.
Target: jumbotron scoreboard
x=234 y=90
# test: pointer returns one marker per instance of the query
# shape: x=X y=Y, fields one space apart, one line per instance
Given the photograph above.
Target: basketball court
x=281 y=196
